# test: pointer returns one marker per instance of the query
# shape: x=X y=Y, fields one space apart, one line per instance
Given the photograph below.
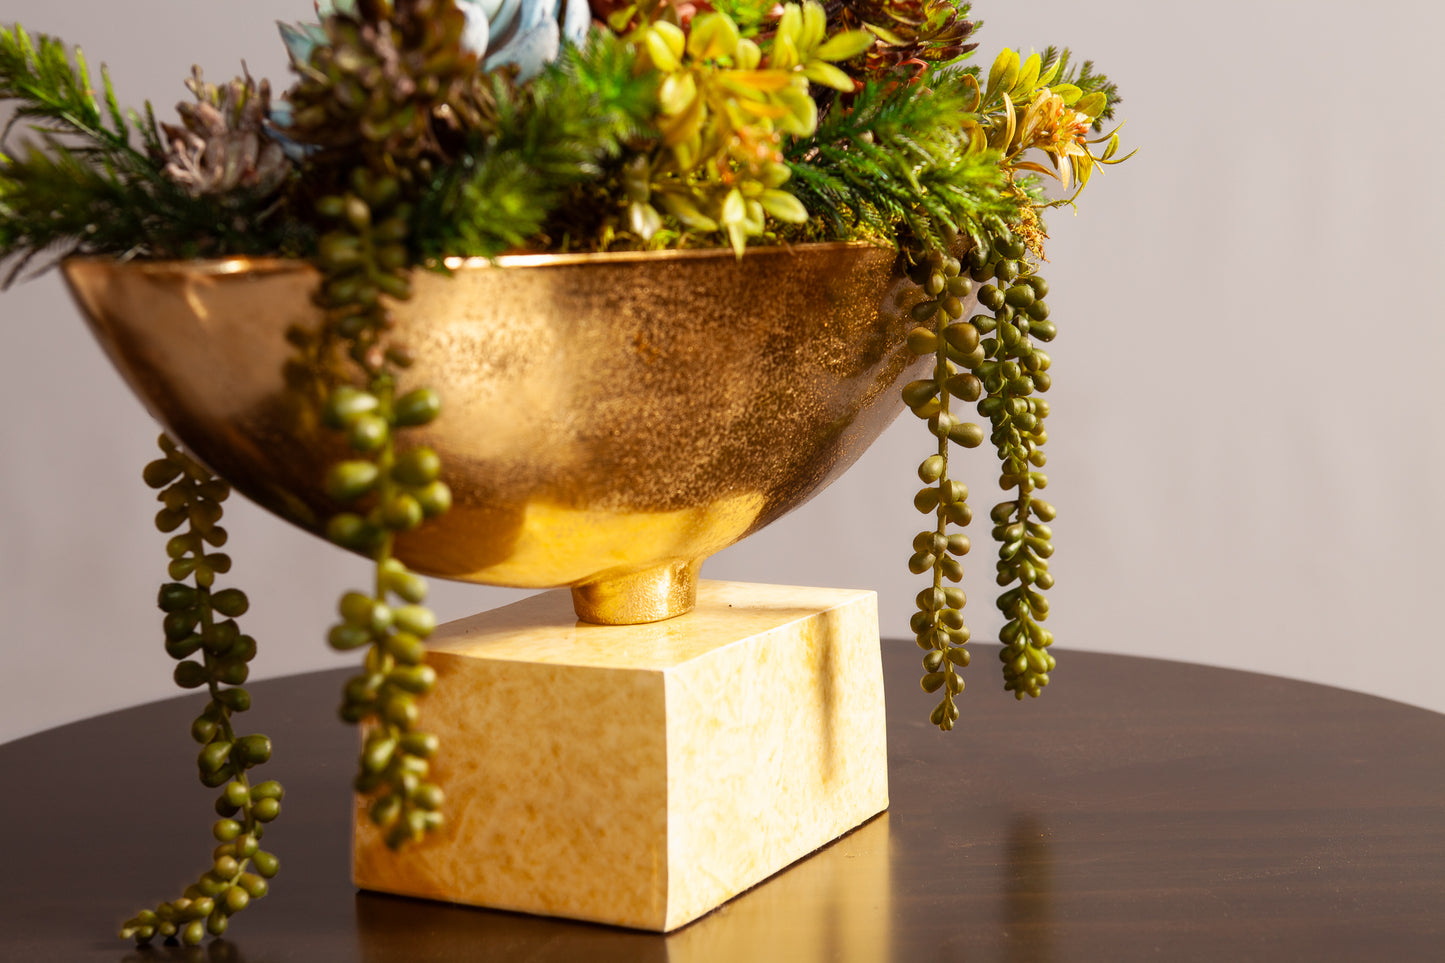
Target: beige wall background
x=1245 y=444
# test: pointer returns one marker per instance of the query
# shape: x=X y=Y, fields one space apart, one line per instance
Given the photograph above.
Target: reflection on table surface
x=831 y=906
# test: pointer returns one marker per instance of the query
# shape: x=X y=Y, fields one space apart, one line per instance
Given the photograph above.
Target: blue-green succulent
x=524 y=33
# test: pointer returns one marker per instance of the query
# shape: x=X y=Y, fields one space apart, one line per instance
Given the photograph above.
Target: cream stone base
x=642 y=775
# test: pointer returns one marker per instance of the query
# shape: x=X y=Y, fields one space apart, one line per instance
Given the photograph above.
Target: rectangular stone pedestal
x=642 y=775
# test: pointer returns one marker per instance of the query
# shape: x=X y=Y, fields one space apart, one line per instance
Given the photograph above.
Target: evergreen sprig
x=542 y=139
x=53 y=198
x=75 y=184
x=93 y=180
x=54 y=93
x=62 y=200
x=899 y=155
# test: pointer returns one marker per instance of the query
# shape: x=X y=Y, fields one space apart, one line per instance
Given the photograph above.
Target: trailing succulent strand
x=397 y=489
x=1029 y=104
x=1014 y=369
x=369 y=101
x=202 y=634
x=990 y=359
x=954 y=345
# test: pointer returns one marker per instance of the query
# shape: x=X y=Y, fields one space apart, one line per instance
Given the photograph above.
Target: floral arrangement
x=420 y=129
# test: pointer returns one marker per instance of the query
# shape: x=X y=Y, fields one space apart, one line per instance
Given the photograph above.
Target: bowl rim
x=249 y=265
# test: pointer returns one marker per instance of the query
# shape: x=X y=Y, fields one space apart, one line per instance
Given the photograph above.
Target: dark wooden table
x=1141 y=809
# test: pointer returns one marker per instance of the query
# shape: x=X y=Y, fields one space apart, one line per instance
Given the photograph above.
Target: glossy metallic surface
x=605 y=417
x=651 y=595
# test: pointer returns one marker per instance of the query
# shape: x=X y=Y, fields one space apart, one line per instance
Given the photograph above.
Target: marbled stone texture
x=642 y=775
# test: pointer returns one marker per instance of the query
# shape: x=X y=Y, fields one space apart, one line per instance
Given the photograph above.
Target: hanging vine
x=1013 y=370
x=953 y=344
x=202 y=634
x=365 y=104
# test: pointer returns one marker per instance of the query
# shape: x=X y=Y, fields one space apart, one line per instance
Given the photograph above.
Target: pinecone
x=222 y=144
x=909 y=30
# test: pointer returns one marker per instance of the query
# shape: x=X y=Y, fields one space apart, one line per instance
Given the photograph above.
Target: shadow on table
x=833 y=905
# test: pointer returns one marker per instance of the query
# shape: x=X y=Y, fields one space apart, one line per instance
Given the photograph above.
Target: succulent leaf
x=524 y=33
x=224 y=142
x=928 y=31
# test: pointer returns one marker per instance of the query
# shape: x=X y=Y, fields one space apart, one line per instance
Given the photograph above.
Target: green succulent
x=526 y=34
x=377 y=85
x=223 y=143
x=725 y=104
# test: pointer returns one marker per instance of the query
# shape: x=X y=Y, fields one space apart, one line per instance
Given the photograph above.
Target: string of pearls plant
x=393 y=489
x=989 y=359
x=1012 y=370
x=213 y=653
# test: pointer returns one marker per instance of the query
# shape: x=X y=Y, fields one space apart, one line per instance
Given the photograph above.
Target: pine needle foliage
x=561 y=130
x=52 y=93
x=900 y=155
x=92 y=179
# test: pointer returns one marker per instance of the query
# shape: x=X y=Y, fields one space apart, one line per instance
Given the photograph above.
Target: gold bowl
x=608 y=422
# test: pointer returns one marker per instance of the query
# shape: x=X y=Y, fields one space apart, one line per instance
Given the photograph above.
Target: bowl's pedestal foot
x=651 y=595
x=643 y=775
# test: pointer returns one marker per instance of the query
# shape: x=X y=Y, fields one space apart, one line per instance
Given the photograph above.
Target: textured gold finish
x=604 y=415
x=718 y=748
x=651 y=595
